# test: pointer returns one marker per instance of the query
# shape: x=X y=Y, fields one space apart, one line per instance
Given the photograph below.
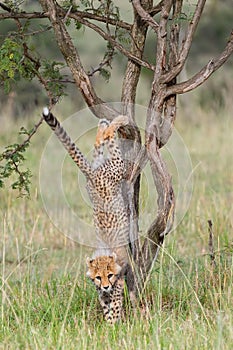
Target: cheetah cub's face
x=103 y=271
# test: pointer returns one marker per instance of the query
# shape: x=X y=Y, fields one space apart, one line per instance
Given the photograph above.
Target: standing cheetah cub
x=105 y=273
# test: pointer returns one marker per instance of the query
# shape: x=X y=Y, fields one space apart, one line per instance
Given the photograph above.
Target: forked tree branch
x=99 y=108
x=27 y=140
x=113 y=42
x=145 y=15
x=156 y=9
x=80 y=16
x=204 y=73
x=171 y=74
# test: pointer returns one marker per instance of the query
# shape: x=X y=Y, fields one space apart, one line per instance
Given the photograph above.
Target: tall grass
x=47 y=302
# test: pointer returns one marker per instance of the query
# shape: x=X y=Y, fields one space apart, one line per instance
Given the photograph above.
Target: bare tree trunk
x=129 y=88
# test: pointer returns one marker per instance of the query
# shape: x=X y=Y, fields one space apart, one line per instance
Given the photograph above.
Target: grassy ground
x=47 y=303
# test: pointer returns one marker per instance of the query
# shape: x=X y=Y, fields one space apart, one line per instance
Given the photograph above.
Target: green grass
x=47 y=302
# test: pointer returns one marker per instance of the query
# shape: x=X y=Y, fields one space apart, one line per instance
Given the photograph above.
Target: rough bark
x=163 y=222
x=129 y=88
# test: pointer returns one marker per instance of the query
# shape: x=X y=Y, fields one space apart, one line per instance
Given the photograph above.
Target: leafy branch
x=12 y=159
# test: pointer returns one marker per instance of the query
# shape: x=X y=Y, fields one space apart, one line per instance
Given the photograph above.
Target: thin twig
x=67 y=13
x=4 y=7
x=22 y=145
x=211 y=244
x=100 y=66
x=75 y=15
x=117 y=45
x=39 y=31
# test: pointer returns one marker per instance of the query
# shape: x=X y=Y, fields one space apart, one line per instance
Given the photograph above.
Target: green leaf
x=12 y=159
x=106 y=74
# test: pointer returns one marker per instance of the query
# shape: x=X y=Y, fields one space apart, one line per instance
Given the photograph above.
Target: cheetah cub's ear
x=117 y=267
x=113 y=256
x=89 y=265
x=88 y=261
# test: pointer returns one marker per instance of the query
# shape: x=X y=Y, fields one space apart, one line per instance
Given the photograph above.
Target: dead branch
x=27 y=140
x=211 y=243
x=204 y=73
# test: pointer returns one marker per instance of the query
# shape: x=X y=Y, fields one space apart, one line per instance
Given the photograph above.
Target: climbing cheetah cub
x=105 y=273
x=105 y=176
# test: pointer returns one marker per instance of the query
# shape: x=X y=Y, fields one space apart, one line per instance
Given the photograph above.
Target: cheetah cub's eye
x=110 y=276
x=98 y=278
